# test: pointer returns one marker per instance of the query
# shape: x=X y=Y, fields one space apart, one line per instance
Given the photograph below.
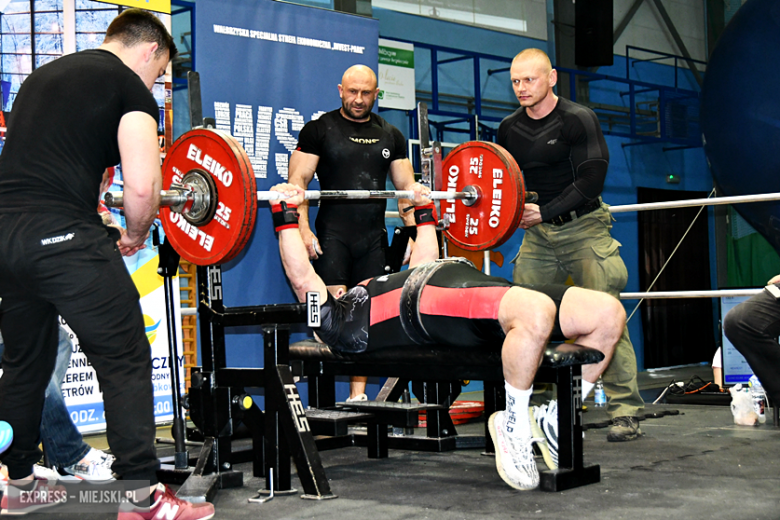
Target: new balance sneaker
x=44 y=493
x=624 y=429
x=544 y=425
x=357 y=398
x=514 y=456
x=39 y=473
x=95 y=466
x=167 y=507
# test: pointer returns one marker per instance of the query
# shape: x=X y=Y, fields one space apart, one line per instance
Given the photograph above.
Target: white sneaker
x=514 y=456
x=359 y=397
x=39 y=473
x=95 y=466
x=544 y=424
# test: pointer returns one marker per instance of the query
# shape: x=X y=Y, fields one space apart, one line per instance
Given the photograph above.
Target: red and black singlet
x=458 y=306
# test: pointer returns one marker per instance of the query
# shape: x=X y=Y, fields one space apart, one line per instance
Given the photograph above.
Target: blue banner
x=266 y=69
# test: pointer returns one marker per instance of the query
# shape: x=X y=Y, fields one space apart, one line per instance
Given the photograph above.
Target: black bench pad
x=557 y=355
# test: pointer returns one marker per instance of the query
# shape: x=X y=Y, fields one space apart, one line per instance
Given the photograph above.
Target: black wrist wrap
x=425 y=215
x=284 y=216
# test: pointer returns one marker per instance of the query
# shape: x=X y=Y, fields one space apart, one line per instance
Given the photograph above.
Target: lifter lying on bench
x=451 y=302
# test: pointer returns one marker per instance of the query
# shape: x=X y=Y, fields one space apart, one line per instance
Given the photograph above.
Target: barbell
x=209 y=198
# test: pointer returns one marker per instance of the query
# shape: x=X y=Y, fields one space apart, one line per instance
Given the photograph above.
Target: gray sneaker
x=624 y=429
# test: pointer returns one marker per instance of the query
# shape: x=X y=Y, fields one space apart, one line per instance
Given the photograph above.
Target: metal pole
x=657 y=295
x=714 y=201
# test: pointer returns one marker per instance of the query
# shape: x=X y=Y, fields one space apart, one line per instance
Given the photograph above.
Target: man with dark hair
x=350 y=149
x=457 y=305
x=561 y=150
x=136 y=26
x=73 y=118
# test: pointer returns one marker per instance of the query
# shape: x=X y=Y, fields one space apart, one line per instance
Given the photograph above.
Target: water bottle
x=759 y=399
x=598 y=394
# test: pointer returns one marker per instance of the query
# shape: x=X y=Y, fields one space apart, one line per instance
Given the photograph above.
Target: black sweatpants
x=52 y=264
x=753 y=327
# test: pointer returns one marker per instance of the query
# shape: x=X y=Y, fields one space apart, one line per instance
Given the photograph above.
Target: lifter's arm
x=140 y=157
x=302 y=168
x=295 y=259
x=426 y=245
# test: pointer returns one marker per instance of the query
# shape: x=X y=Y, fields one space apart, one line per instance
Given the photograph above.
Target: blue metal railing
x=641 y=111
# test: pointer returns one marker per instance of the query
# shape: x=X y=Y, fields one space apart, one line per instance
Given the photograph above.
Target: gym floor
x=697 y=464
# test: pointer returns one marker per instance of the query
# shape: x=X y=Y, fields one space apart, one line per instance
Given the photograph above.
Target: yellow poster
x=160 y=6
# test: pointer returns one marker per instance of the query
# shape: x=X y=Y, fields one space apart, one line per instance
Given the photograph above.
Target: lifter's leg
x=596 y=320
x=527 y=319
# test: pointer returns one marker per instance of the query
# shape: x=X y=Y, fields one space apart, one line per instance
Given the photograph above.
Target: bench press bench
x=436 y=372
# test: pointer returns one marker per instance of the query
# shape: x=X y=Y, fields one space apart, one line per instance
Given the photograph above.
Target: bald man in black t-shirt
x=350 y=149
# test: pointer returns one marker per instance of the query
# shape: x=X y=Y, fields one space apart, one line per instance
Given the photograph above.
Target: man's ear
x=150 y=50
x=340 y=292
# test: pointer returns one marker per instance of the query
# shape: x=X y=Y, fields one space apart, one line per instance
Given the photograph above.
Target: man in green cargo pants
x=561 y=150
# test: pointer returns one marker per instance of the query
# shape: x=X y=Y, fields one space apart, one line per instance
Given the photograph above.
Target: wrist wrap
x=425 y=215
x=284 y=216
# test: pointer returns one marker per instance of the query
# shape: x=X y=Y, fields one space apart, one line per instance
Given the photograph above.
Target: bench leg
x=377 y=441
x=495 y=400
x=287 y=431
x=322 y=391
x=439 y=422
x=571 y=472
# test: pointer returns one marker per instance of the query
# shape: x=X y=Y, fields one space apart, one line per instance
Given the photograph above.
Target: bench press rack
x=216 y=402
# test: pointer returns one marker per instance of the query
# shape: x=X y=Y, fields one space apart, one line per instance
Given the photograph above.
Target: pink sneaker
x=44 y=494
x=167 y=507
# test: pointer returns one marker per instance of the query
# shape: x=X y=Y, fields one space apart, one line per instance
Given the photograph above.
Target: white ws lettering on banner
x=253 y=130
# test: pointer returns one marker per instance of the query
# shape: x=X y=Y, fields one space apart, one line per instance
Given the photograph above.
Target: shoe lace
x=169 y=496
x=522 y=449
x=540 y=412
x=627 y=422
x=105 y=460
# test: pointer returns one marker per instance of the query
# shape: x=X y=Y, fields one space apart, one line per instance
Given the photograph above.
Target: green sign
x=396 y=57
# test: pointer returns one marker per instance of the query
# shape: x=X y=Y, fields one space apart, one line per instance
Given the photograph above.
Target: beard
x=352 y=114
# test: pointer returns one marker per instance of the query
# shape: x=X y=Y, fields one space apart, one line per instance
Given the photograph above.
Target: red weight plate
x=251 y=196
x=215 y=153
x=519 y=174
x=492 y=219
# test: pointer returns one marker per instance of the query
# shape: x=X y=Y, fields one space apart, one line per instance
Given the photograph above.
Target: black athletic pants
x=753 y=327
x=50 y=265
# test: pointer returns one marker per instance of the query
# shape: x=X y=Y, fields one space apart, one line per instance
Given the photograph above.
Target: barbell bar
x=178 y=197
